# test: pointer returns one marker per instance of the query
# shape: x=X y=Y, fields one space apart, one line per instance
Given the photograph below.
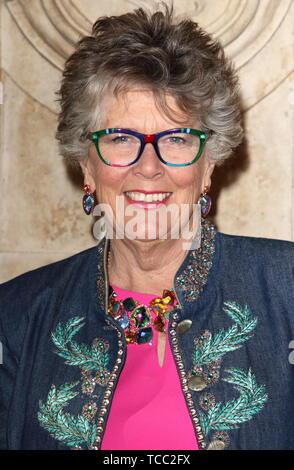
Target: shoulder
x=249 y=246
x=262 y=257
x=50 y=275
x=42 y=287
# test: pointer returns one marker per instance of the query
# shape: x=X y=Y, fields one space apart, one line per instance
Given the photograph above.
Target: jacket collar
x=191 y=276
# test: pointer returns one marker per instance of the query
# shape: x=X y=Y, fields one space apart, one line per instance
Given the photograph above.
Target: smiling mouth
x=147 y=197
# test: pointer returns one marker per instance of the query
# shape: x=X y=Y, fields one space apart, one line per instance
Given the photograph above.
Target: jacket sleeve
x=7 y=379
x=12 y=329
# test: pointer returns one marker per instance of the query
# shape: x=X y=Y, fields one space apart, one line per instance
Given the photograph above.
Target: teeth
x=147 y=197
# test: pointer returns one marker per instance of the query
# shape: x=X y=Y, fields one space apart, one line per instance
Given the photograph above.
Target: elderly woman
x=162 y=336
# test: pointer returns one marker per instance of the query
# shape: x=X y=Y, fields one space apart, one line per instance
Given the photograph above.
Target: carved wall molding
x=246 y=28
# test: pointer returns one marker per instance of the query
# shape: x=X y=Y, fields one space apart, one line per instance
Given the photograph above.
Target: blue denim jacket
x=230 y=335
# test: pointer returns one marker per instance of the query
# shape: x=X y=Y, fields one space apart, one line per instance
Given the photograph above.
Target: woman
x=155 y=339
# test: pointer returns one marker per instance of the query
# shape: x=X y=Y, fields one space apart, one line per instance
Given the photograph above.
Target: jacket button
x=196 y=383
x=184 y=326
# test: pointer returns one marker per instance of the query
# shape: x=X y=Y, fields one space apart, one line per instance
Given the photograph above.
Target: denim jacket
x=229 y=336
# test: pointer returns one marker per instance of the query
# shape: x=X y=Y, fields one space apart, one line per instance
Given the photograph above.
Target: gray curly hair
x=167 y=56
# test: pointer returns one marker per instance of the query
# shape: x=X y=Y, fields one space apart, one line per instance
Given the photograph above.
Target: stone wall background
x=41 y=215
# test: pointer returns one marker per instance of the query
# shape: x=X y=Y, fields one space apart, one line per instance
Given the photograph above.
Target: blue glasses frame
x=149 y=139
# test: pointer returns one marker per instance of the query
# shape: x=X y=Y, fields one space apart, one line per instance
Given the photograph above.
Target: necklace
x=138 y=320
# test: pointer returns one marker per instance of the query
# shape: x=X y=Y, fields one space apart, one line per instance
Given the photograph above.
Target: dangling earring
x=88 y=200
x=205 y=202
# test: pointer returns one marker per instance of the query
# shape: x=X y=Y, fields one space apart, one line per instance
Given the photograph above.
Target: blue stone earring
x=88 y=200
x=205 y=202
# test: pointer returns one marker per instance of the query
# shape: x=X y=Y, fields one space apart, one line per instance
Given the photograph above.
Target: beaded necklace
x=138 y=319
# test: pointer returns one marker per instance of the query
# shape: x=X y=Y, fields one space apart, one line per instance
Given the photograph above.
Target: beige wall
x=41 y=215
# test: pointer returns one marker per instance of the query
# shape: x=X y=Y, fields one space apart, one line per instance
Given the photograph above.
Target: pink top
x=148 y=410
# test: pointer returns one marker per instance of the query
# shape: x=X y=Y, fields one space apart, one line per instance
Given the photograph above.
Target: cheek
x=104 y=176
x=107 y=177
x=109 y=182
x=188 y=178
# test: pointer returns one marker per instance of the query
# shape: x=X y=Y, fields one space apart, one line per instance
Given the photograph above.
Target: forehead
x=139 y=105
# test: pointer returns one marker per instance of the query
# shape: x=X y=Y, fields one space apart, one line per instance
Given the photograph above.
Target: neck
x=145 y=266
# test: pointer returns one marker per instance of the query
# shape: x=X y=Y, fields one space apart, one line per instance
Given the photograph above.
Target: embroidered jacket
x=62 y=353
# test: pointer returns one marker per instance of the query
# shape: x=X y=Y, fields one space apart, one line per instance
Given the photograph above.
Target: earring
x=88 y=200
x=205 y=202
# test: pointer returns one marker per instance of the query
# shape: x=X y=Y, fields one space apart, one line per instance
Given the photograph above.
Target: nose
x=149 y=166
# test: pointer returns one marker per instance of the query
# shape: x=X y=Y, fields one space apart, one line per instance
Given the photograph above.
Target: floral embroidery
x=89 y=410
x=206 y=401
x=75 y=430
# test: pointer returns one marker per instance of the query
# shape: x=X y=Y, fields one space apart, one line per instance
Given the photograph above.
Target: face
x=136 y=110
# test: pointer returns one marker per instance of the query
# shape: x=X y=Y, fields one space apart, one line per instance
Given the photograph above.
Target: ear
x=88 y=173
x=207 y=175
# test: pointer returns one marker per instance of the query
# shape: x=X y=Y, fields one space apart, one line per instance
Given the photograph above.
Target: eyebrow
x=123 y=127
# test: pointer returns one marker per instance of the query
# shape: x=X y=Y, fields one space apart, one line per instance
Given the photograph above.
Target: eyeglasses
x=174 y=147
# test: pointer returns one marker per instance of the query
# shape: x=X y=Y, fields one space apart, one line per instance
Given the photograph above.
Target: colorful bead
x=168 y=297
x=113 y=308
x=159 y=309
x=89 y=410
x=159 y=323
x=102 y=377
x=207 y=401
x=123 y=320
x=140 y=317
x=222 y=436
x=193 y=278
x=136 y=319
x=144 y=335
x=129 y=304
x=130 y=336
x=100 y=344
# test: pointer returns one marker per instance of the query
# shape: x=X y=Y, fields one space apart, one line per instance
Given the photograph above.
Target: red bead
x=130 y=336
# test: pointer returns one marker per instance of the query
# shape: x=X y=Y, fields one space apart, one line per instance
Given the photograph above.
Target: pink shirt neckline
x=148 y=410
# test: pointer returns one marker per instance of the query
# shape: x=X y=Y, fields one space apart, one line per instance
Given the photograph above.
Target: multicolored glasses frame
x=152 y=139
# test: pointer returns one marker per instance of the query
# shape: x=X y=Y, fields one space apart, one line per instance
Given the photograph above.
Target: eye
x=121 y=139
x=173 y=140
x=176 y=140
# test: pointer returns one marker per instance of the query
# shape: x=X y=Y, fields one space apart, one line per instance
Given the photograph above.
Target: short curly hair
x=164 y=54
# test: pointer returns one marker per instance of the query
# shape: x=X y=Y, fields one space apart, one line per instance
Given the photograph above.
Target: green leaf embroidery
x=214 y=347
x=82 y=355
x=71 y=430
x=234 y=412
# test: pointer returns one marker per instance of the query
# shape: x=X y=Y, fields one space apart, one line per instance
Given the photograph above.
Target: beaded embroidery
x=234 y=412
x=75 y=430
x=209 y=349
x=71 y=430
x=194 y=277
x=206 y=359
x=93 y=357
